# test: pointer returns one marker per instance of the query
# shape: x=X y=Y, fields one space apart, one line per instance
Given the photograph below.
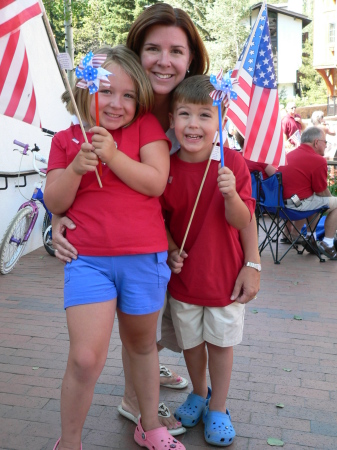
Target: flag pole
x=202 y=184
x=65 y=79
x=251 y=37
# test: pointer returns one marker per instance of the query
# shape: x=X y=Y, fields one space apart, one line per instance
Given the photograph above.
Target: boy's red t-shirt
x=113 y=220
x=215 y=255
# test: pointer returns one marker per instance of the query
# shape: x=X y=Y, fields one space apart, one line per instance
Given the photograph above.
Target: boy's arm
x=174 y=261
x=236 y=212
x=247 y=284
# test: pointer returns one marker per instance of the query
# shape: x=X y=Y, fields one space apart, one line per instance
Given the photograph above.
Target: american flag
x=256 y=111
x=17 y=95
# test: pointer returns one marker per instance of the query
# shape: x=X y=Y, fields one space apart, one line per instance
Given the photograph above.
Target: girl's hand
x=103 y=143
x=85 y=160
x=176 y=262
x=226 y=182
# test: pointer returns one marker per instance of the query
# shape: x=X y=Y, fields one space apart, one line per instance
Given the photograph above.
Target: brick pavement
x=34 y=346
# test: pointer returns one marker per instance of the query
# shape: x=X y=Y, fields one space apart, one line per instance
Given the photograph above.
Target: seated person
x=306 y=176
x=317 y=119
x=267 y=170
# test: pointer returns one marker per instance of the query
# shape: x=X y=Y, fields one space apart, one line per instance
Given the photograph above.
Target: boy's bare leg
x=130 y=402
x=196 y=362
x=220 y=364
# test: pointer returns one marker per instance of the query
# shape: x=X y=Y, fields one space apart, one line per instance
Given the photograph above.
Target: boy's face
x=195 y=126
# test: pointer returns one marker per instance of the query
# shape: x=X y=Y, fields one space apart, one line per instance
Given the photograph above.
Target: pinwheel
x=223 y=93
x=91 y=74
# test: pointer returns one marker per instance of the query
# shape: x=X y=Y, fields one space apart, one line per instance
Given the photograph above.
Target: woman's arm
x=247 y=284
x=65 y=252
x=149 y=176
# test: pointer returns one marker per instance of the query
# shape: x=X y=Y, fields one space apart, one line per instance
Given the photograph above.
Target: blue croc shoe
x=190 y=412
x=219 y=430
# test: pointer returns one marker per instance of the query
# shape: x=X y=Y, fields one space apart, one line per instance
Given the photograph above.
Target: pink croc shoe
x=57 y=444
x=157 y=439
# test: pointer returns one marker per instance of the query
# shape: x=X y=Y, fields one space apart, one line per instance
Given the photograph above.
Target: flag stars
x=265 y=38
x=272 y=76
x=250 y=61
x=258 y=66
x=262 y=52
x=262 y=74
x=265 y=83
x=265 y=61
x=250 y=69
x=269 y=69
x=261 y=27
x=251 y=52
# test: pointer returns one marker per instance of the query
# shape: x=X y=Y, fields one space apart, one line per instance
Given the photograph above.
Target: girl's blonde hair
x=130 y=63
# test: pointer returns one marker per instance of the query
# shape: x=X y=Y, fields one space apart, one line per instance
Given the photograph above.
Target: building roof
x=280 y=9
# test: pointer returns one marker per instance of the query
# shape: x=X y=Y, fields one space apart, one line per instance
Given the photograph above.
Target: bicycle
x=21 y=226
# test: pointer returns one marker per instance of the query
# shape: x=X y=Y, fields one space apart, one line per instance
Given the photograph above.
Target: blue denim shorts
x=137 y=281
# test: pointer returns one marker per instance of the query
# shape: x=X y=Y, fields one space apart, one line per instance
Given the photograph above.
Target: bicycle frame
x=37 y=194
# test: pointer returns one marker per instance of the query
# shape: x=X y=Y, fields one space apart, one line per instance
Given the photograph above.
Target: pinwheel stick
x=221 y=137
x=204 y=178
x=65 y=79
x=100 y=171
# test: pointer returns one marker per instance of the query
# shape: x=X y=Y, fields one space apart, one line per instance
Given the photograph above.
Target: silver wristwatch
x=254 y=266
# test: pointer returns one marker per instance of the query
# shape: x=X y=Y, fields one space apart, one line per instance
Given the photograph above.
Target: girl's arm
x=62 y=184
x=236 y=212
x=149 y=176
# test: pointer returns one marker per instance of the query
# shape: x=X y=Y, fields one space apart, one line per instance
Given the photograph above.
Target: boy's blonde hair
x=196 y=90
x=130 y=63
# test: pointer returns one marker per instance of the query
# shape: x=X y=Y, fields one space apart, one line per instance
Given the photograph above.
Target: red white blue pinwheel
x=223 y=93
x=91 y=73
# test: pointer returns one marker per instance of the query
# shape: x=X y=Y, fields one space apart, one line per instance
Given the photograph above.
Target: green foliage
x=332 y=183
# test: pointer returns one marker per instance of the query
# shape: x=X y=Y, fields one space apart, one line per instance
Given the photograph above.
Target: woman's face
x=165 y=56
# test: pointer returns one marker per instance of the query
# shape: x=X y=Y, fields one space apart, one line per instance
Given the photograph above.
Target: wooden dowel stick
x=65 y=79
x=201 y=186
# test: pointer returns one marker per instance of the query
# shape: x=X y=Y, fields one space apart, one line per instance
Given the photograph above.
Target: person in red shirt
x=292 y=127
x=120 y=235
x=203 y=309
x=306 y=176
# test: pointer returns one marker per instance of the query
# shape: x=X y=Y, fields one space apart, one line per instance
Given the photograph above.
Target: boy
x=201 y=284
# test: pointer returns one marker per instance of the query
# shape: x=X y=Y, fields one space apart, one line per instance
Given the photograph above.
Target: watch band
x=253 y=266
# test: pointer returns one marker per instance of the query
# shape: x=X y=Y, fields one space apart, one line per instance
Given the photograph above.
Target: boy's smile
x=195 y=126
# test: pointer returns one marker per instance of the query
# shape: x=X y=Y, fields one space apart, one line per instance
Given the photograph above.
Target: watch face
x=254 y=266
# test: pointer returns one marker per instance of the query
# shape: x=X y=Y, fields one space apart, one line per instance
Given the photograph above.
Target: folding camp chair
x=256 y=178
x=272 y=207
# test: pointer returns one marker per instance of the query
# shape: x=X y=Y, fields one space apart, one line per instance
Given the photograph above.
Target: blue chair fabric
x=271 y=205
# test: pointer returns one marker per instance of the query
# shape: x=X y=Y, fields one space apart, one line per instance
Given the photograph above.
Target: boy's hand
x=104 y=145
x=85 y=160
x=226 y=182
x=176 y=262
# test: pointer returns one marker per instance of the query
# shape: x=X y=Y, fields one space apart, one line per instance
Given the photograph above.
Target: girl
x=121 y=240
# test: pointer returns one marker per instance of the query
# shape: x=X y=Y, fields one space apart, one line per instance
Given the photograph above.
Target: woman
x=170 y=49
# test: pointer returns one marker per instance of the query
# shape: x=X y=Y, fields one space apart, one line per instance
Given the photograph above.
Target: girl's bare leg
x=90 y=328
x=130 y=402
x=138 y=335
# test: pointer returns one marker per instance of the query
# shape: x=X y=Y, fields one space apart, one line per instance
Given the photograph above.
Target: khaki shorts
x=314 y=202
x=196 y=324
x=166 y=335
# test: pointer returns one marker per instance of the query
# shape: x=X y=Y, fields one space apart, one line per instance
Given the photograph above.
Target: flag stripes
x=17 y=95
x=14 y=13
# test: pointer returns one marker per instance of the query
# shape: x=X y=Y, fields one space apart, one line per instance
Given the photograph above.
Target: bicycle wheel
x=12 y=244
x=46 y=235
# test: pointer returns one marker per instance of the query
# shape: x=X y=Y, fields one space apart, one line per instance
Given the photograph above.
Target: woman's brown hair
x=164 y=14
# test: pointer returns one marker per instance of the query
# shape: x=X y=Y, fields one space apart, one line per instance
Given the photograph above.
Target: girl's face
x=165 y=57
x=117 y=103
